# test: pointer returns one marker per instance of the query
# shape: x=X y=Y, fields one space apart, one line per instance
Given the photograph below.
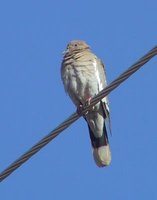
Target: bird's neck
x=75 y=55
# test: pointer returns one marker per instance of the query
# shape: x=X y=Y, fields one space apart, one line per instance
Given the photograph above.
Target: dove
x=83 y=75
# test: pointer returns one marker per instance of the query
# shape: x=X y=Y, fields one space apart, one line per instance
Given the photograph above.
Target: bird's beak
x=65 y=52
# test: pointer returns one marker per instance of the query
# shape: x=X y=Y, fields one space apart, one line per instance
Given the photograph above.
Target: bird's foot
x=81 y=107
x=88 y=100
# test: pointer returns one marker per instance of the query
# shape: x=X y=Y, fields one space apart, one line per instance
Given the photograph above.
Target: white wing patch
x=100 y=85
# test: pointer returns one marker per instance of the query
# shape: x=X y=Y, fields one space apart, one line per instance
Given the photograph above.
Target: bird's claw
x=88 y=100
x=81 y=107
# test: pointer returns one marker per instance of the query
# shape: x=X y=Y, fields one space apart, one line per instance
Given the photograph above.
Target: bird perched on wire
x=84 y=76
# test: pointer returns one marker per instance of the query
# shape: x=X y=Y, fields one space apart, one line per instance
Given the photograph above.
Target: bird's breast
x=80 y=80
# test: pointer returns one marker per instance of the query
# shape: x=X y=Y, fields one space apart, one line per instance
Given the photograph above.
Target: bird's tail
x=101 y=149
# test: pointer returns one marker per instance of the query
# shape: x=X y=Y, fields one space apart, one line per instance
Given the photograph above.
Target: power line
x=75 y=115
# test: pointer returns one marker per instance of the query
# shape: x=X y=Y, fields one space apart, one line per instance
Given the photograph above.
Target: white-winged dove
x=84 y=76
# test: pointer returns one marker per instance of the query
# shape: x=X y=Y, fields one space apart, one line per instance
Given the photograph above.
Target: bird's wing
x=104 y=101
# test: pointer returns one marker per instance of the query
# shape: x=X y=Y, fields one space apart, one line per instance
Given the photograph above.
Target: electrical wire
x=75 y=115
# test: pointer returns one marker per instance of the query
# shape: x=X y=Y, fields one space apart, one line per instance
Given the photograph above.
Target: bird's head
x=76 y=46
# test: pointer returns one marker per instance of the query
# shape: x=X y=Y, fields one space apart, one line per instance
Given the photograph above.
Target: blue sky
x=32 y=38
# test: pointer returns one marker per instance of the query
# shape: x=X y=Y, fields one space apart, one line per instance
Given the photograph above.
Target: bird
x=84 y=76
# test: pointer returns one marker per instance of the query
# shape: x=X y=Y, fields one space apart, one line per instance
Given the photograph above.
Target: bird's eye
x=75 y=45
